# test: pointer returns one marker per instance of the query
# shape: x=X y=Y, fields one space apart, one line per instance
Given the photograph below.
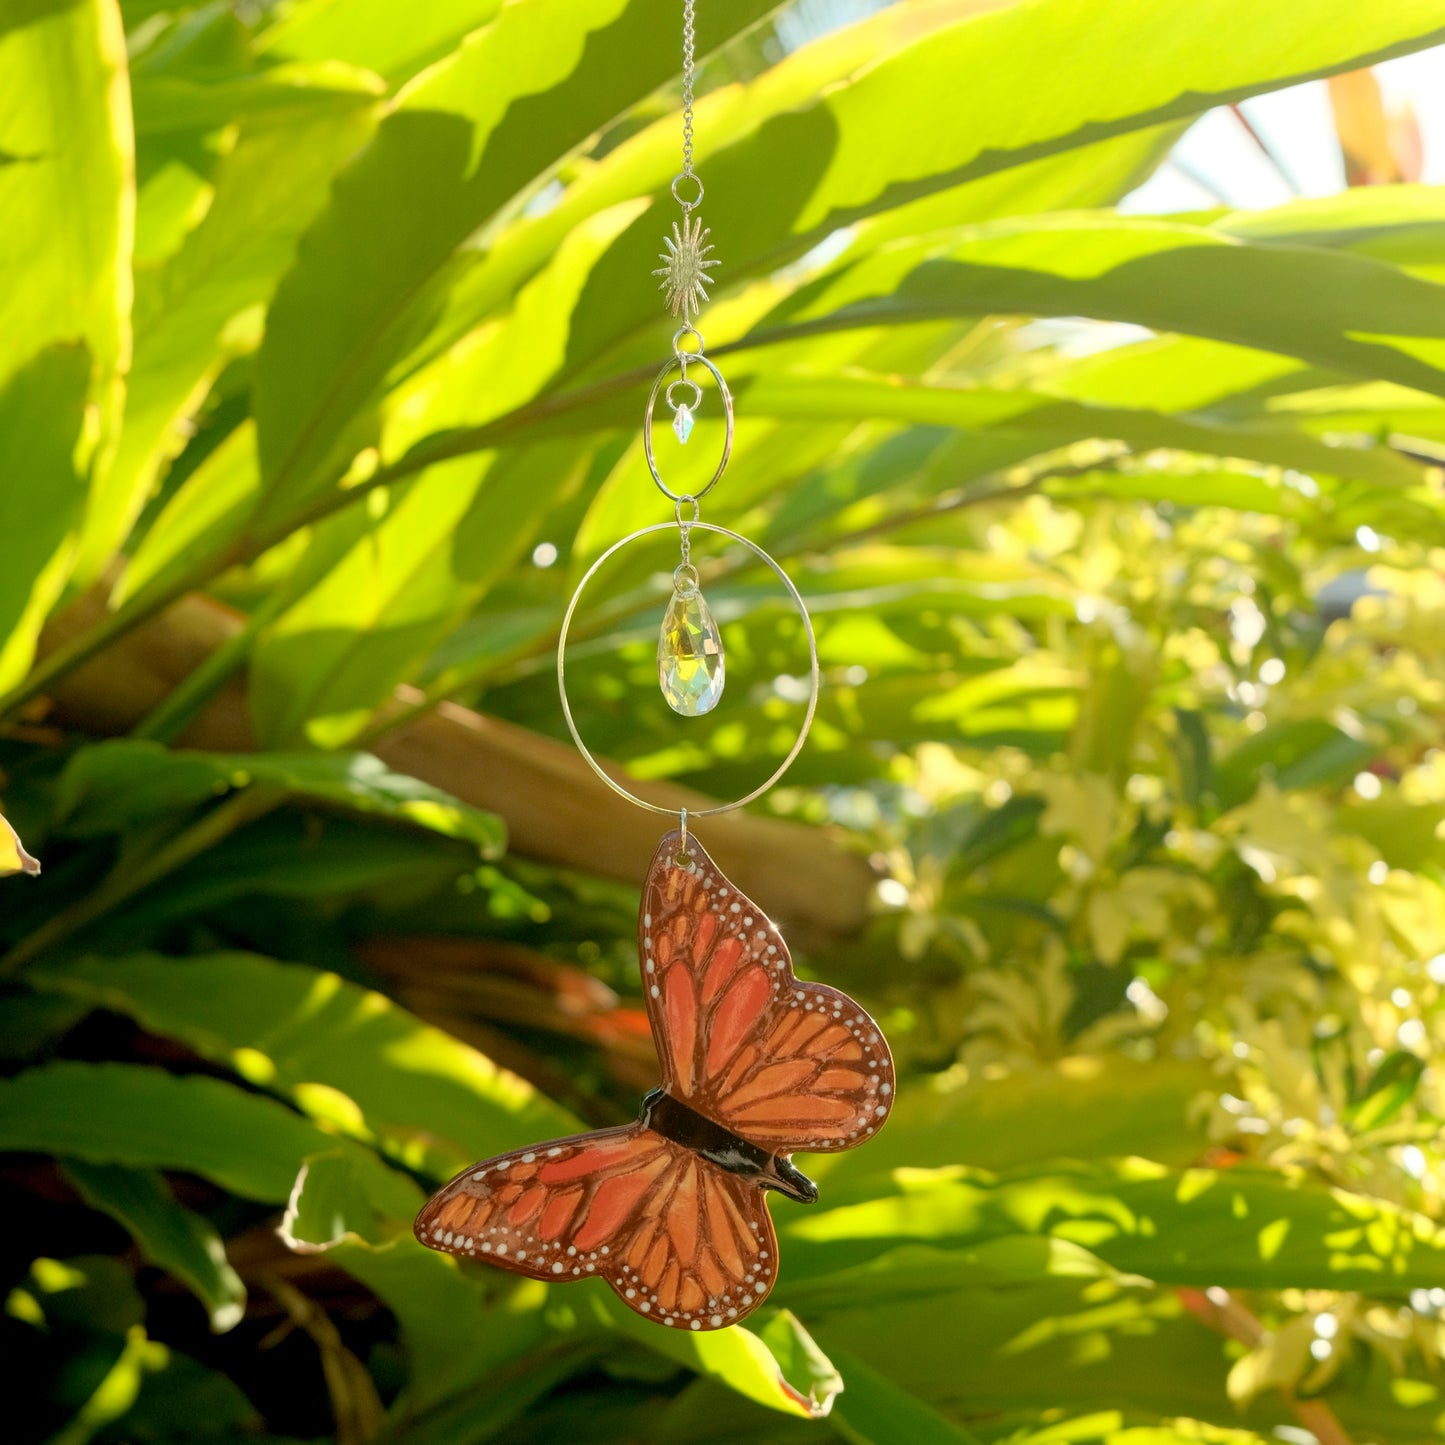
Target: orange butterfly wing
x=681 y=1241
x=783 y=1064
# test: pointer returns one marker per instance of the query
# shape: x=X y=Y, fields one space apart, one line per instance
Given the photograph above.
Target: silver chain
x=688 y=72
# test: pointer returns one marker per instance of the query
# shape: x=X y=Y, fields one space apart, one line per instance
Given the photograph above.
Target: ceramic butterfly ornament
x=672 y=1210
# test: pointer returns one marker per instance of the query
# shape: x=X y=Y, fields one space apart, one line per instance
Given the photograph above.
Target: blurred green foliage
x=1134 y=650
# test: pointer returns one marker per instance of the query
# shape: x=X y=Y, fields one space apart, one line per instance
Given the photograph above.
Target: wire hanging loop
x=794 y=596
x=676 y=360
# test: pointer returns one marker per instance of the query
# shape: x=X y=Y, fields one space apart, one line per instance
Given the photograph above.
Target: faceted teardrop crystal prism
x=690 y=656
x=682 y=423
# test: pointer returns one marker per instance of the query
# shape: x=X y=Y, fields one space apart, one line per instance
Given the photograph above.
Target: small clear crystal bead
x=682 y=423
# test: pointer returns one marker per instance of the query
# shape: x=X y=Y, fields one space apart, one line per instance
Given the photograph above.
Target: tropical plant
x=323 y=336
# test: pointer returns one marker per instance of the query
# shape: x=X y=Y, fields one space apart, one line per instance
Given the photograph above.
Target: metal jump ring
x=691 y=521
x=677 y=351
x=797 y=599
x=678 y=180
x=696 y=392
x=727 y=450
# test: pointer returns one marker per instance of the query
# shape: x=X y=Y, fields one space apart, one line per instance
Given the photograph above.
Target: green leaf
x=913 y=1271
x=874 y=1411
x=1330 y=308
x=435 y=546
x=870 y=118
x=1110 y=1427
x=1077 y=179
x=66 y=192
x=322 y=861
x=320 y=672
x=1390 y=1088
x=476 y=1360
x=183 y=1399
x=1070 y=1346
x=1199 y=59
x=122 y=785
x=804 y=1366
x=1404 y=225
x=29 y=1024
x=375 y=34
x=1300 y=753
x=190 y=311
x=1057 y=422
x=42 y=406
x=1233 y=1228
x=182 y=1243
x=147 y=1119
x=329 y=1204
x=279 y=96
x=465 y=139
x=202 y=517
x=338 y=1050
x=736 y=1356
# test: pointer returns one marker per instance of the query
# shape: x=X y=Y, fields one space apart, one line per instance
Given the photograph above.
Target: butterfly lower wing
x=681 y=1241
x=554 y=1211
x=786 y=1065
x=703 y=1256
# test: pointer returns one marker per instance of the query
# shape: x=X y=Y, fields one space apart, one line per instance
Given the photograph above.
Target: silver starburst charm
x=684 y=274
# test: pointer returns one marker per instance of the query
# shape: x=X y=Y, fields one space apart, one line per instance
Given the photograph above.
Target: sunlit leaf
x=1244 y=1229
x=127 y=784
x=148 y=1119
x=433 y=1102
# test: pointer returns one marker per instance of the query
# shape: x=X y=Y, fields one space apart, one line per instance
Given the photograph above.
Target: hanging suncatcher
x=671 y=1209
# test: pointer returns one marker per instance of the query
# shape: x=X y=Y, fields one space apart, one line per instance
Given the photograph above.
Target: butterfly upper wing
x=784 y=1064
x=680 y=1240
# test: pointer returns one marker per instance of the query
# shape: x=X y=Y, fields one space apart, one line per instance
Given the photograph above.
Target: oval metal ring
x=727 y=450
x=813 y=683
x=677 y=180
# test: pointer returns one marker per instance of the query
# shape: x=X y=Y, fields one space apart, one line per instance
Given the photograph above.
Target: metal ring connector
x=685 y=580
x=680 y=179
x=696 y=391
x=677 y=337
x=813 y=683
x=728 y=421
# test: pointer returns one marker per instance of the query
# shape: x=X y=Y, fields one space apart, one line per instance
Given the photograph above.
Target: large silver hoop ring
x=693 y=359
x=797 y=599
